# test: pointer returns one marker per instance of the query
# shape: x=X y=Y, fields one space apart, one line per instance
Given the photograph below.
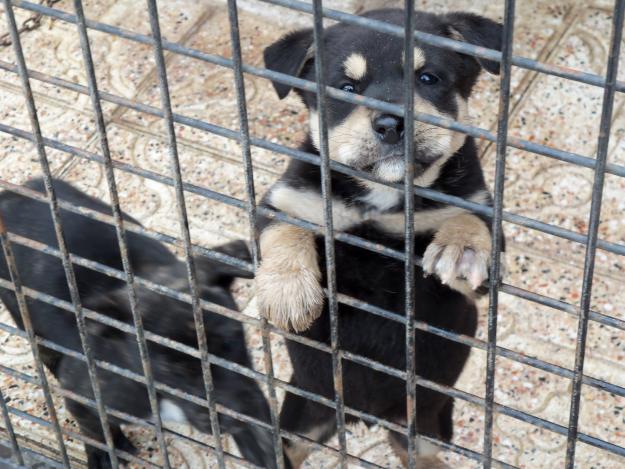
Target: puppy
x=161 y=315
x=455 y=245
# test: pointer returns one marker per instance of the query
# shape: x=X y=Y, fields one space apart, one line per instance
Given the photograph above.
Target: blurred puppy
x=161 y=315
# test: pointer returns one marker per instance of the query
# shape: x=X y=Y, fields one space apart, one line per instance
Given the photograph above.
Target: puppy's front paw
x=288 y=295
x=288 y=289
x=460 y=253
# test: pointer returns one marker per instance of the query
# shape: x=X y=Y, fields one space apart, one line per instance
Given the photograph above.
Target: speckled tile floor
x=544 y=109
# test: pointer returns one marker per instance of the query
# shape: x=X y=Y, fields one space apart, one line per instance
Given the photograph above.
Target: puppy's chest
x=379 y=208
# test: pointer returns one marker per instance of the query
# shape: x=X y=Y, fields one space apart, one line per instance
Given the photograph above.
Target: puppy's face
x=369 y=63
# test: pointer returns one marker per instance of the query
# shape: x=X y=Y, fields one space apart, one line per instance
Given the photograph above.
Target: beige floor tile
x=121 y=65
x=18 y=157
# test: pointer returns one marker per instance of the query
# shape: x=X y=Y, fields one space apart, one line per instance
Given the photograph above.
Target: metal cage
x=600 y=166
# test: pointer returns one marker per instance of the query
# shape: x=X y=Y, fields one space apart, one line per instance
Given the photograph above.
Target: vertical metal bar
x=409 y=270
x=17 y=452
x=28 y=326
x=497 y=229
x=121 y=238
x=184 y=229
x=251 y=213
x=326 y=190
x=593 y=227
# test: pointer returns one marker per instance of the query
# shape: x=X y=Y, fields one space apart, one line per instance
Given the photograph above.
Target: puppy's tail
x=222 y=273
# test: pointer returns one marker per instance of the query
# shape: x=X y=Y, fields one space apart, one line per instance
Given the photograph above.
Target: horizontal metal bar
x=476 y=132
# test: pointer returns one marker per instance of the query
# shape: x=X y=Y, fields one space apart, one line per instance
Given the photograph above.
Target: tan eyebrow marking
x=419 y=58
x=355 y=66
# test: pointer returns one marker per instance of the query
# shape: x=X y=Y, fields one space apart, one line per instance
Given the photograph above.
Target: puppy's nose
x=389 y=128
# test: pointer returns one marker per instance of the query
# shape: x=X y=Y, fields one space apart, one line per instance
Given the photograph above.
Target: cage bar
x=497 y=229
x=328 y=234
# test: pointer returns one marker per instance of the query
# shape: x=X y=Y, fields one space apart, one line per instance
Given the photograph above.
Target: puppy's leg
x=426 y=451
x=460 y=253
x=308 y=419
x=243 y=395
x=426 y=458
x=90 y=426
x=287 y=282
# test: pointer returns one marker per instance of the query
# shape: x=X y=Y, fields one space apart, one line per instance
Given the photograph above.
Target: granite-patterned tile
x=121 y=64
x=18 y=157
x=591 y=457
x=565 y=115
x=531 y=390
x=550 y=334
x=601 y=416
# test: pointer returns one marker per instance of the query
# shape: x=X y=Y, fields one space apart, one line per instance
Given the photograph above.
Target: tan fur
x=309 y=206
x=287 y=282
x=355 y=66
x=460 y=253
x=426 y=458
x=353 y=142
x=348 y=140
x=425 y=220
x=419 y=58
x=297 y=451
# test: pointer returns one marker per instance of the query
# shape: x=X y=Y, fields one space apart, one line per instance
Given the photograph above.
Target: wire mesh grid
x=501 y=138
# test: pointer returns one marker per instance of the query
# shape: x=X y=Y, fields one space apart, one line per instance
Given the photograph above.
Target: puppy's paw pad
x=289 y=299
x=453 y=262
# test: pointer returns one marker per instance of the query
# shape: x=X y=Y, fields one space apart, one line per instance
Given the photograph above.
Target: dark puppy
x=161 y=315
x=455 y=245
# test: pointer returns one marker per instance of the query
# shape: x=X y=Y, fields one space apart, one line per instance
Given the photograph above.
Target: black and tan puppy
x=455 y=245
x=161 y=315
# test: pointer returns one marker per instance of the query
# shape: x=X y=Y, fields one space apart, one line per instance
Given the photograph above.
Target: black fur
x=372 y=277
x=161 y=315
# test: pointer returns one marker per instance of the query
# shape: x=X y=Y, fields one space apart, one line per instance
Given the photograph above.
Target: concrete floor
x=544 y=109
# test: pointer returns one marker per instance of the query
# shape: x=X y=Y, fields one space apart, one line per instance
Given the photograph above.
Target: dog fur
x=455 y=244
x=161 y=315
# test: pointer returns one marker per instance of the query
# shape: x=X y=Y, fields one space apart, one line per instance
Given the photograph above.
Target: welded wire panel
x=507 y=59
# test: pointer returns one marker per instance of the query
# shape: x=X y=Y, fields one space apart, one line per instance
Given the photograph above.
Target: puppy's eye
x=348 y=87
x=428 y=79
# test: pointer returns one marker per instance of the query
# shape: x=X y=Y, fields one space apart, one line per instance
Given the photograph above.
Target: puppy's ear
x=479 y=31
x=289 y=55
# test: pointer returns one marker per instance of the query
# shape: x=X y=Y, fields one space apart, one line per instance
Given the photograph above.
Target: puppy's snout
x=389 y=128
